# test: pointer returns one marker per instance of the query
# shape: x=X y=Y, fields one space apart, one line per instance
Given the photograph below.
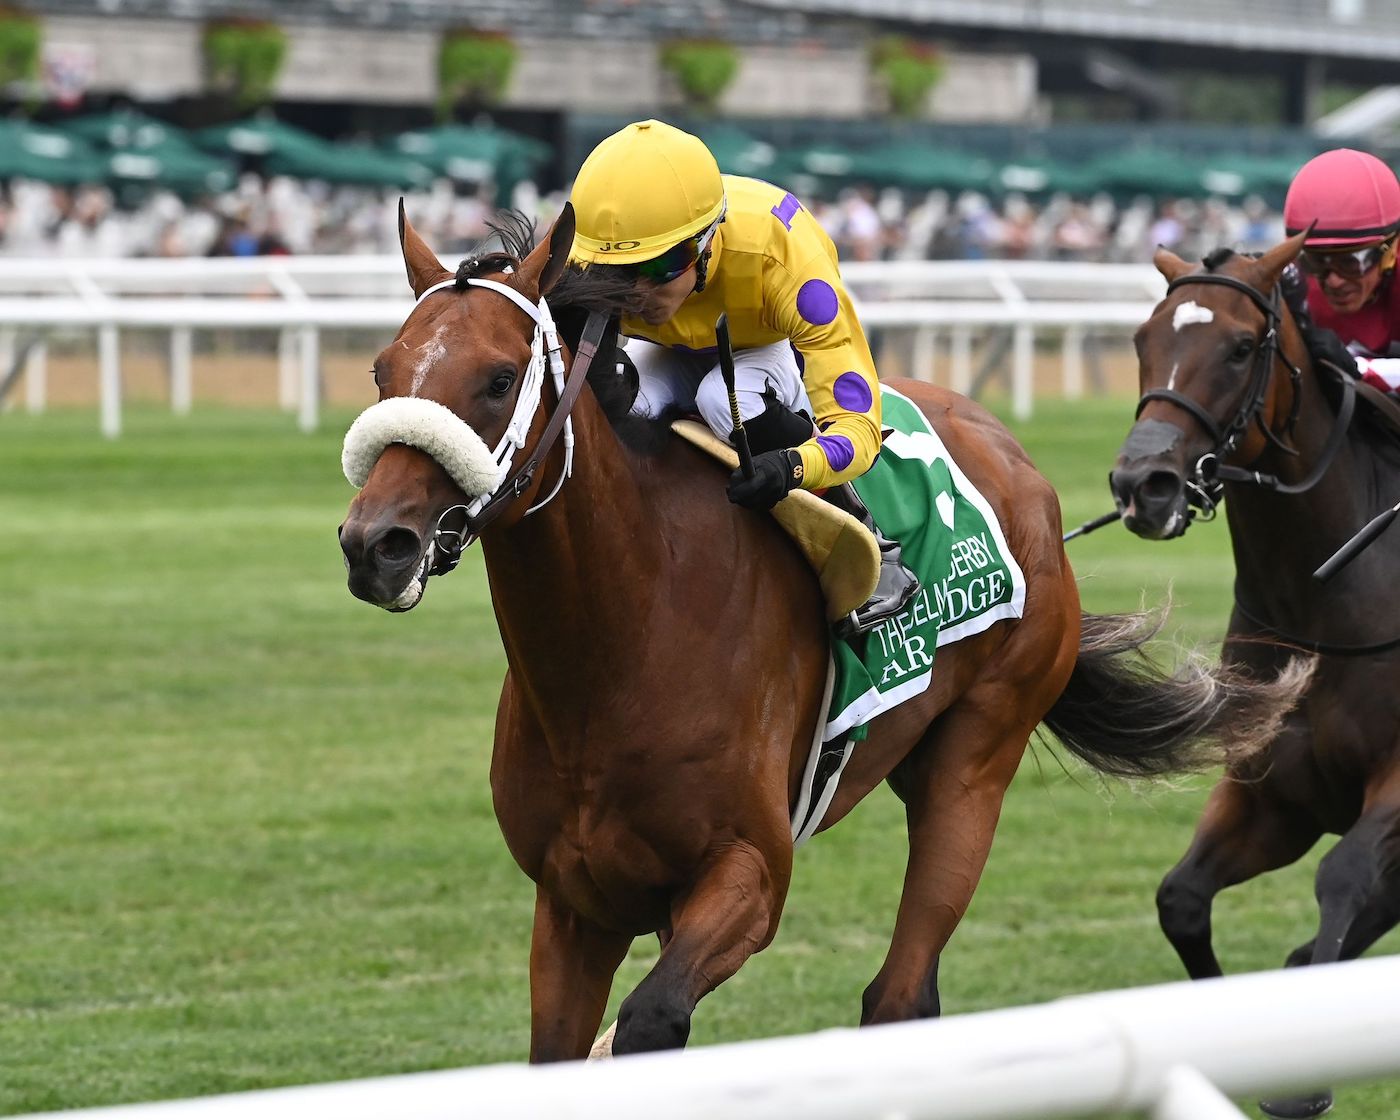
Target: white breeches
x=675 y=377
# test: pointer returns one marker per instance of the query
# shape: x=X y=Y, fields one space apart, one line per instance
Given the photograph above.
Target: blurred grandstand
x=1061 y=129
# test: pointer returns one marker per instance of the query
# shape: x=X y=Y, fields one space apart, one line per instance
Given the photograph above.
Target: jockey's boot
x=897 y=584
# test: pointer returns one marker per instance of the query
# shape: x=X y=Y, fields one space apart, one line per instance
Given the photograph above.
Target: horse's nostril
x=397 y=548
x=1159 y=486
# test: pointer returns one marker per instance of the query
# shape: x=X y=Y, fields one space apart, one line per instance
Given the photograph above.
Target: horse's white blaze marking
x=1171 y=381
x=1191 y=312
x=430 y=352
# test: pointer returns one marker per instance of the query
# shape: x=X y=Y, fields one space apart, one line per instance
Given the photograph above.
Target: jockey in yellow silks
x=651 y=202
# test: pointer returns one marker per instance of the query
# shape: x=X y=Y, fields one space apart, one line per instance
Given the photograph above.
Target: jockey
x=650 y=200
x=1351 y=202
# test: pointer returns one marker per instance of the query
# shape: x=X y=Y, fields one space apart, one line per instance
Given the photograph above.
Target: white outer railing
x=298 y=297
x=1173 y=1052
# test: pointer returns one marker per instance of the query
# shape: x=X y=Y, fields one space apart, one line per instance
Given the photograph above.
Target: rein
x=1210 y=471
x=1327 y=648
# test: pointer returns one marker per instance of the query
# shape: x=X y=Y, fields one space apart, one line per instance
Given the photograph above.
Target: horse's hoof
x=1299 y=1108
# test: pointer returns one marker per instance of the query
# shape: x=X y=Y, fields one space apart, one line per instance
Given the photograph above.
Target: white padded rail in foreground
x=1171 y=1051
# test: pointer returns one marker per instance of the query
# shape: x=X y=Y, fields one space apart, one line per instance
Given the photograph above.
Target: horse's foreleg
x=1358 y=893
x=572 y=963
x=1243 y=832
x=729 y=915
x=1358 y=885
x=952 y=786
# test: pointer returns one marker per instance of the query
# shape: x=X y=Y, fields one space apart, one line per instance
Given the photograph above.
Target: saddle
x=840 y=549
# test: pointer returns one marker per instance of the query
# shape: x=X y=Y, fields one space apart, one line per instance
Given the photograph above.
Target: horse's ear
x=547 y=260
x=1272 y=263
x=424 y=269
x=1169 y=264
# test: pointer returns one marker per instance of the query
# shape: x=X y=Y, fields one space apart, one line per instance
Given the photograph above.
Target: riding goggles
x=680 y=257
x=1349 y=265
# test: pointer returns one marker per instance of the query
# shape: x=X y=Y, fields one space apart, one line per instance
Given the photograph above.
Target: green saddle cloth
x=969 y=580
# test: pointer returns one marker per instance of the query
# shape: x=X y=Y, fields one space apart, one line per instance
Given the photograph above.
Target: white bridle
x=438 y=431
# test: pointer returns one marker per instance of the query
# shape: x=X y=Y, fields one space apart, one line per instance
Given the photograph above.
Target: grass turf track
x=245 y=832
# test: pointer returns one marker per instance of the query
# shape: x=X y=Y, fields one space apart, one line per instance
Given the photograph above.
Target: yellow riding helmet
x=641 y=191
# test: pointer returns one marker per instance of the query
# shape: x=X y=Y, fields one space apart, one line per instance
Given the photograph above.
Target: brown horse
x=667 y=653
x=1231 y=395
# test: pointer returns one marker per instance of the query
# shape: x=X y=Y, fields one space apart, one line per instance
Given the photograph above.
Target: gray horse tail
x=1126 y=715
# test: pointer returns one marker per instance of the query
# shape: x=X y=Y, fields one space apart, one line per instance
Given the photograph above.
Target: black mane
x=577 y=292
x=1216 y=257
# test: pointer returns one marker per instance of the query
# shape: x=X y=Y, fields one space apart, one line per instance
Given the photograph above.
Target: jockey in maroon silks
x=1351 y=201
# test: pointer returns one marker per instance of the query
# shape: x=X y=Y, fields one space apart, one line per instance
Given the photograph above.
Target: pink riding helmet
x=1351 y=195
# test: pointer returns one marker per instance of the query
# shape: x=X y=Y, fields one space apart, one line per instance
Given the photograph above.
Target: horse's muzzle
x=384 y=563
x=1152 y=499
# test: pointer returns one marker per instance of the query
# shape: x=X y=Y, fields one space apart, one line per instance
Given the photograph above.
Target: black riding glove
x=774 y=474
x=1325 y=345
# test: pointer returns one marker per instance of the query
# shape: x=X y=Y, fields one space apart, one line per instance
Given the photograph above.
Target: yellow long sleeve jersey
x=774 y=271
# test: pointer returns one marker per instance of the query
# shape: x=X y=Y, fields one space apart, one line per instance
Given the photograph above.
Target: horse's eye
x=501 y=383
x=1243 y=349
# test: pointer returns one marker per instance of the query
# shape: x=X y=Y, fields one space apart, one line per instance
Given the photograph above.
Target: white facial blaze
x=430 y=352
x=1191 y=312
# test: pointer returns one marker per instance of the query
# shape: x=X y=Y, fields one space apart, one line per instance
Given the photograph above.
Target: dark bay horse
x=1231 y=394
x=667 y=654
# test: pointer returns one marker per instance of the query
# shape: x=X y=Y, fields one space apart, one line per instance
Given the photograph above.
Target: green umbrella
x=823 y=162
x=1236 y=175
x=350 y=163
x=260 y=136
x=476 y=153
x=738 y=153
x=1149 y=171
x=921 y=167
x=30 y=152
x=171 y=165
x=125 y=129
x=1037 y=175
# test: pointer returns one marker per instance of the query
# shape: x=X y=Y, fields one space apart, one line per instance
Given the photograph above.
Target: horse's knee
x=1183 y=909
x=651 y=1019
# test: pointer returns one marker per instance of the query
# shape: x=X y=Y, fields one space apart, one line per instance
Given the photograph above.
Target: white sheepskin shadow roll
x=431 y=427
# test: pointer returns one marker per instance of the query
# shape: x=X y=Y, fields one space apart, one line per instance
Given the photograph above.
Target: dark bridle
x=1205 y=484
x=1207 y=479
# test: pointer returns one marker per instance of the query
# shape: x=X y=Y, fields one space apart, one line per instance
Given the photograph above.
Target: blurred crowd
x=889 y=225
x=280 y=215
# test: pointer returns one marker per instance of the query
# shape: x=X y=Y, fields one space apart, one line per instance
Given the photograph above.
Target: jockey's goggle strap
x=682 y=256
x=1350 y=264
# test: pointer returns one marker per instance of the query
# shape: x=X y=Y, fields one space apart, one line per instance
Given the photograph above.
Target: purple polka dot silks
x=852 y=392
x=817 y=303
x=839 y=451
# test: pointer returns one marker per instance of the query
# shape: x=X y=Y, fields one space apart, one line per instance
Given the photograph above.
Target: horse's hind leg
x=1358 y=893
x=1243 y=832
x=572 y=963
x=728 y=916
x=952 y=785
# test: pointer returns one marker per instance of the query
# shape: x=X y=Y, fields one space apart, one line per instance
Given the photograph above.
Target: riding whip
x=1089 y=526
x=726 y=369
x=1358 y=544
